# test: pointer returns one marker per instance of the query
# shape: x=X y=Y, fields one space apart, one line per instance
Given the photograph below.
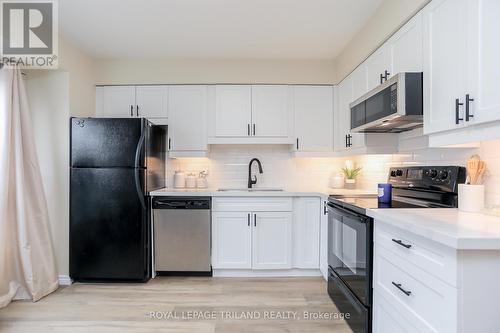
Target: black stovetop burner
x=413 y=187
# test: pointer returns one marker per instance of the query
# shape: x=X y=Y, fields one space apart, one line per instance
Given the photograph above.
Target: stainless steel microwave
x=395 y=106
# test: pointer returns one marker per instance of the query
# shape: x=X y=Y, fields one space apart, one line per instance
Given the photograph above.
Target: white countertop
x=290 y=192
x=459 y=230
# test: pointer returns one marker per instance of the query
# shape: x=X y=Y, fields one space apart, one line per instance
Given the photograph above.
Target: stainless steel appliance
x=394 y=106
x=182 y=235
x=350 y=233
x=114 y=163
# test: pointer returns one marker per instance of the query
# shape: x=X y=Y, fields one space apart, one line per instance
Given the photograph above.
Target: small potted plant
x=350 y=173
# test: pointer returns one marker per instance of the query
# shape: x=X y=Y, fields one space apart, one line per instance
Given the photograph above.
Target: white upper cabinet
x=379 y=66
x=118 y=102
x=445 y=61
x=252 y=114
x=270 y=111
x=272 y=240
x=344 y=97
x=407 y=47
x=132 y=102
x=359 y=79
x=401 y=53
x=151 y=101
x=187 y=130
x=313 y=106
x=484 y=61
x=233 y=108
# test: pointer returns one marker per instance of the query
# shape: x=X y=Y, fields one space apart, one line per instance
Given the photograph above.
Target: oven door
x=350 y=250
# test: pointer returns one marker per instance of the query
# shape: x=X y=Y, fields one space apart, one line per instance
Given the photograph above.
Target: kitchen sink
x=264 y=189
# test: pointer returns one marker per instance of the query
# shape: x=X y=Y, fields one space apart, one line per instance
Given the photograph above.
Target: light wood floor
x=127 y=307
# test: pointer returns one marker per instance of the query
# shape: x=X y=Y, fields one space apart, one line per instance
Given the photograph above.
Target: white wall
x=48 y=94
x=54 y=97
x=213 y=71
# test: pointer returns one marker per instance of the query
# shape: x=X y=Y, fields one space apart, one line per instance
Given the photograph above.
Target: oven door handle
x=346 y=213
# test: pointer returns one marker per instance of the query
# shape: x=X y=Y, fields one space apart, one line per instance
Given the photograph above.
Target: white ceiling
x=224 y=29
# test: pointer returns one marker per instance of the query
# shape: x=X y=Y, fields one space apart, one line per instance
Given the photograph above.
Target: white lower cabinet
x=272 y=240
x=231 y=240
x=306 y=232
x=420 y=285
x=266 y=233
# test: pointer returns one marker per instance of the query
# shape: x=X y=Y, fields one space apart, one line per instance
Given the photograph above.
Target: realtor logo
x=29 y=33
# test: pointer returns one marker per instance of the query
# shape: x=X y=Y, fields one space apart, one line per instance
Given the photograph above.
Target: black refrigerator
x=114 y=164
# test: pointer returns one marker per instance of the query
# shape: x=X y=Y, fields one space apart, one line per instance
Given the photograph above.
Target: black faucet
x=252 y=181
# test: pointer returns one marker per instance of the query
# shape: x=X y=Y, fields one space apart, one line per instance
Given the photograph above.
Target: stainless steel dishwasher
x=182 y=235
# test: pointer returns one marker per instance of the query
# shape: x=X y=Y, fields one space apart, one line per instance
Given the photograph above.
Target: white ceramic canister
x=470 y=198
x=191 y=180
x=179 y=179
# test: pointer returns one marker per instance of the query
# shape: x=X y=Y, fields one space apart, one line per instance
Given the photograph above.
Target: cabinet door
x=119 y=101
x=484 y=56
x=342 y=114
x=377 y=64
x=445 y=63
x=233 y=110
x=187 y=128
x=306 y=236
x=359 y=81
x=313 y=118
x=151 y=101
x=323 y=243
x=272 y=240
x=407 y=46
x=270 y=111
x=231 y=240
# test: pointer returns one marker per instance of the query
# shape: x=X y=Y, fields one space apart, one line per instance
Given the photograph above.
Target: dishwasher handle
x=182 y=203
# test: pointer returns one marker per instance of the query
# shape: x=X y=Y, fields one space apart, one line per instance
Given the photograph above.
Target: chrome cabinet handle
x=400 y=242
x=398 y=285
x=254 y=220
x=137 y=110
x=253 y=129
x=131 y=110
x=248 y=219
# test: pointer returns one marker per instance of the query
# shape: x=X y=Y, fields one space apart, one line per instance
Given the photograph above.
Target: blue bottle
x=384 y=193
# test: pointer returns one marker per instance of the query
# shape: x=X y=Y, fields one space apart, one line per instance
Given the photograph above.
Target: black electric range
x=350 y=232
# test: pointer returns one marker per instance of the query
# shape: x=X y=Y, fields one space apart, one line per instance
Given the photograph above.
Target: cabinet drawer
x=432 y=257
x=387 y=318
x=414 y=291
x=254 y=204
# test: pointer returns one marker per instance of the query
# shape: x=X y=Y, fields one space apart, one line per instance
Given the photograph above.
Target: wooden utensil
x=475 y=170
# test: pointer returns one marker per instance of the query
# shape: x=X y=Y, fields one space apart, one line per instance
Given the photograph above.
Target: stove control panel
x=443 y=178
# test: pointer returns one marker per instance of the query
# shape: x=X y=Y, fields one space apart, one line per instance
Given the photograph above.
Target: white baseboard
x=65 y=280
x=266 y=273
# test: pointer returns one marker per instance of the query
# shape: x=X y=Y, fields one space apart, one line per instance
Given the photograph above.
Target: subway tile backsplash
x=228 y=166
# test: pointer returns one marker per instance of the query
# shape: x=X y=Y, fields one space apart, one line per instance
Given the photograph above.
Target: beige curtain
x=27 y=263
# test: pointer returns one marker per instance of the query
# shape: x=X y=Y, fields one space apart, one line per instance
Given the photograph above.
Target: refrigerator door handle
x=138 y=151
